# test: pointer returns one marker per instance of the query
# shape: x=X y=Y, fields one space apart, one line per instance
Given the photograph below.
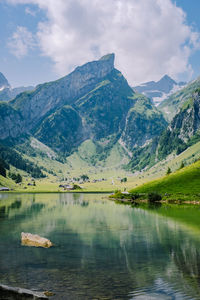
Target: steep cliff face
x=104 y=108
x=50 y=96
x=187 y=121
x=11 y=122
x=183 y=128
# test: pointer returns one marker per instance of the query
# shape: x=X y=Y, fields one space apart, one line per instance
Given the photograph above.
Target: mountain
x=184 y=128
x=48 y=97
x=143 y=123
x=3 y=82
x=171 y=105
x=93 y=103
x=182 y=132
x=159 y=90
x=7 y=92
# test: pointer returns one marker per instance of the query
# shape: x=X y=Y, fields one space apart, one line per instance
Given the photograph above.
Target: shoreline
x=122 y=201
x=56 y=192
x=138 y=202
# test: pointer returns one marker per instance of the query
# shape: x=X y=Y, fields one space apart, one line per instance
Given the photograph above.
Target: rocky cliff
x=11 y=122
x=184 y=128
x=65 y=91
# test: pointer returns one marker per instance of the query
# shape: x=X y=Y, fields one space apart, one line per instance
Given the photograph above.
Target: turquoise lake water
x=103 y=250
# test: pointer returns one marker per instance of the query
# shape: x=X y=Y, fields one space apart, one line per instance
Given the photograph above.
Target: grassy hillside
x=184 y=184
x=7 y=182
x=110 y=168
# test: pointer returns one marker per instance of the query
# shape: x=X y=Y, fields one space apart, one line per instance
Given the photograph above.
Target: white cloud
x=30 y=11
x=149 y=37
x=20 y=42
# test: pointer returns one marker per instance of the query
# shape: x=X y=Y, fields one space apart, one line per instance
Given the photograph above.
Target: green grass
x=184 y=184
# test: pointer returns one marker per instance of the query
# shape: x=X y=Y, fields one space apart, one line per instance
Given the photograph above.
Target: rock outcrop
x=29 y=239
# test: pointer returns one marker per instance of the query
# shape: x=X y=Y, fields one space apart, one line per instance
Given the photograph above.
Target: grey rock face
x=11 y=122
x=187 y=121
x=47 y=97
x=3 y=82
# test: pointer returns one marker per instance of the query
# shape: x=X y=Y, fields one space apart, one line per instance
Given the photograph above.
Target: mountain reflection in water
x=102 y=249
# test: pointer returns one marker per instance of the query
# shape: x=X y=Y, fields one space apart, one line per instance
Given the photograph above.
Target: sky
x=43 y=40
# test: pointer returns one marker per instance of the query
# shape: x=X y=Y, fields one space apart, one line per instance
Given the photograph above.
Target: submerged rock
x=12 y=293
x=29 y=239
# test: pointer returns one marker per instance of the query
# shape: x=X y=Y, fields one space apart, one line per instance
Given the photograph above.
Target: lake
x=103 y=250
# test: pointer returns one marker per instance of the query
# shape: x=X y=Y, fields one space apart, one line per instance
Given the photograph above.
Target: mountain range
x=7 y=92
x=95 y=105
x=159 y=90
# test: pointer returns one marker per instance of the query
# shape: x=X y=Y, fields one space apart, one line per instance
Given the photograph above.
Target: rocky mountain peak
x=159 y=90
x=3 y=82
x=167 y=78
x=165 y=84
x=109 y=58
x=98 y=68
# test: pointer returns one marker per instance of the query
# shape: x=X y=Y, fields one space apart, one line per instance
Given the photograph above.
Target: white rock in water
x=29 y=239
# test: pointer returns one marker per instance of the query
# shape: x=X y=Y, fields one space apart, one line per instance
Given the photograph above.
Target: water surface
x=103 y=250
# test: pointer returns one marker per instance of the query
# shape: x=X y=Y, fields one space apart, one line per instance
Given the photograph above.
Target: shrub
x=134 y=196
x=76 y=187
x=168 y=171
x=153 y=197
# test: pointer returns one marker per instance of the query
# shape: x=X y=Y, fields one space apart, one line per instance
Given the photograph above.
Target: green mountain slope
x=62 y=130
